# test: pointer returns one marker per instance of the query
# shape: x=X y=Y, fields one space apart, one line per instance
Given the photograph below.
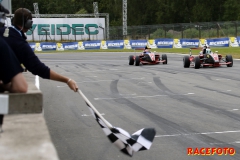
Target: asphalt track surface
x=189 y=108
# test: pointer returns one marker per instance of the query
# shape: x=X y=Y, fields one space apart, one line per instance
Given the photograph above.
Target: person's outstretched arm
x=70 y=82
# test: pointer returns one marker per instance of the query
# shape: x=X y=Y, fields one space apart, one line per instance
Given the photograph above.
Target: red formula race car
x=207 y=58
x=147 y=57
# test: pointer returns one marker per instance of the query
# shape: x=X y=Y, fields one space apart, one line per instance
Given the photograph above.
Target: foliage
x=142 y=12
x=81 y=11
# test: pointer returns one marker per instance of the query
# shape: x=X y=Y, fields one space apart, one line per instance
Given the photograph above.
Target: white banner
x=65 y=29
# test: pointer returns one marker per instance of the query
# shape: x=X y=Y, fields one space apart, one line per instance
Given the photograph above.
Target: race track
x=189 y=108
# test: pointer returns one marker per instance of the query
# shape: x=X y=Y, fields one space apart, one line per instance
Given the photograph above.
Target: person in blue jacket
x=11 y=77
x=16 y=39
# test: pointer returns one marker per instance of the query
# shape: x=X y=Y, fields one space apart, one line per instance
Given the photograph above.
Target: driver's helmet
x=208 y=50
x=205 y=46
x=146 y=50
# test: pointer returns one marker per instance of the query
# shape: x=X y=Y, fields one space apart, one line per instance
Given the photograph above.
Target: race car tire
x=197 y=62
x=137 y=61
x=131 y=60
x=229 y=59
x=186 y=62
x=164 y=57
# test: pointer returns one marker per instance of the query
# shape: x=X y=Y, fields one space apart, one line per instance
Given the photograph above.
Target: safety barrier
x=133 y=44
x=25 y=134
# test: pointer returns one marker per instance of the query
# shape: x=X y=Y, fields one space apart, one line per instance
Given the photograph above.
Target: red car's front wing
x=154 y=62
x=216 y=64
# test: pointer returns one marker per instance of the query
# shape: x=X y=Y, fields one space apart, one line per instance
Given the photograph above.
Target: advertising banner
x=218 y=42
x=46 y=46
x=189 y=43
x=151 y=43
x=115 y=44
x=138 y=43
x=91 y=44
x=234 y=41
x=203 y=42
x=66 y=29
x=67 y=46
x=164 y=43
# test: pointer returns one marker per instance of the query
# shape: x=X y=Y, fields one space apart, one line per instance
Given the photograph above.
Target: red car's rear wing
x=141 y=48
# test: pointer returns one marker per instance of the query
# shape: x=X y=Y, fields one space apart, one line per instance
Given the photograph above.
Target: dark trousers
x=1 y=119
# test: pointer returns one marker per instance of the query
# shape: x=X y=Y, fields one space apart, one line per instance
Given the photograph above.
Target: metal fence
x=178 y=31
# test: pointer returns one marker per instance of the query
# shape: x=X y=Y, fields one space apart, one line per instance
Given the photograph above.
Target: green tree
x=142 y=12
x=232 y=10
x=81 y=11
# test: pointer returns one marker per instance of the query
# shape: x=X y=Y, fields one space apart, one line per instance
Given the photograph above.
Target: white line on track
x=188 y=93
x=222 y=79
x=91 y=76
x=235 y=142
x=134 y=97
x=144 y=82
x=100 y=71
x=113 y=69
x=191 y=134
x=107 y=80
x=133 y=94
x=233 y=110
x=87 y=115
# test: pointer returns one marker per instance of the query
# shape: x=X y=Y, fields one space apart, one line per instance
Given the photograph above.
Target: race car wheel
x=229 y=59
x=197 y=62
x=137 y=61
x=186 y=62
x=131 y=60
x=164 y=57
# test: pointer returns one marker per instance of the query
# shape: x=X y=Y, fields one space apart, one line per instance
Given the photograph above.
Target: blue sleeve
x=9 y=64
x=32 y=62
x=25 y=54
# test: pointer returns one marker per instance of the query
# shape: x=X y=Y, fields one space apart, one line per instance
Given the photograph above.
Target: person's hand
x=72 y=85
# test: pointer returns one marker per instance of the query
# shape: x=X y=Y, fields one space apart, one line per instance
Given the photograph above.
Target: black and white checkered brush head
x=128 y=144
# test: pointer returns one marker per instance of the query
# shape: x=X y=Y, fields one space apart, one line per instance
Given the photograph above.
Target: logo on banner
x=127 y=44
x=177 y=43
x=81 y=46
x=103 y=45
x=233 y=42
x=151 y=43
x=60 y=47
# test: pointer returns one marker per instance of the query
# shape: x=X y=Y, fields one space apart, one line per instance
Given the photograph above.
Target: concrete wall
x=25 y=134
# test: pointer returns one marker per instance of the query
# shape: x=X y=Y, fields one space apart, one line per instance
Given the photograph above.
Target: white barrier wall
x=57 y=29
